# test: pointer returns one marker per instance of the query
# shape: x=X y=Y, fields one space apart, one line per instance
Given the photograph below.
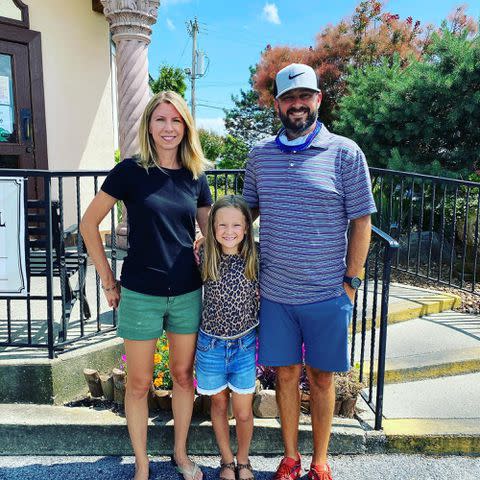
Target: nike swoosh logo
x=291 y=77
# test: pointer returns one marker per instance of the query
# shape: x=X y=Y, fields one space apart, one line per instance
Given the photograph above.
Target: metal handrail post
x=390 y=250
x=49 y=265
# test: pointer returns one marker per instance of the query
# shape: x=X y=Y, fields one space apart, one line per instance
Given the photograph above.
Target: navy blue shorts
x=321 y=326
x=225 y=363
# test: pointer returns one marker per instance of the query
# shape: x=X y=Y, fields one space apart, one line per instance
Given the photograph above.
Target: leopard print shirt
x=230 y=305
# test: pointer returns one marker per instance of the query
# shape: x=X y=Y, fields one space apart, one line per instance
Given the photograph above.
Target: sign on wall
x=13 y=278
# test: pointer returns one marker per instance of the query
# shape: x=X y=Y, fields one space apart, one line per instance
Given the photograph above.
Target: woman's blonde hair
x=213 y=250
x=190 y=150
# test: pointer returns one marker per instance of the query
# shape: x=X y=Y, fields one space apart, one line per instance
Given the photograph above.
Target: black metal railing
x=55 y=313
x=370 y=321
x=225 y=182
x=436 y=223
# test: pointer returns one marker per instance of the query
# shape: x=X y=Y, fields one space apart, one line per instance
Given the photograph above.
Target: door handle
x=26 y=122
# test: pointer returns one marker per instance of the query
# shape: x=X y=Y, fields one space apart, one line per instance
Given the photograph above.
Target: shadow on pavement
x=106 y=468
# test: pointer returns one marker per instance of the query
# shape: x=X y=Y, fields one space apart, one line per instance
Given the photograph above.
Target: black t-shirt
x=161 y=207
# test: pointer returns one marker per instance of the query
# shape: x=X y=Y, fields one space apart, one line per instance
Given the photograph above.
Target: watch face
x=356 y=282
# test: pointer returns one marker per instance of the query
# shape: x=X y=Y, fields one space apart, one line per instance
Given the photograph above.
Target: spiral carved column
x=130 y=24
x=133 y=93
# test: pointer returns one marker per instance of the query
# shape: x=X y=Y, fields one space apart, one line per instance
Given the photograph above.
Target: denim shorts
x=322 y=327
x=145 y=317
x=225 y=363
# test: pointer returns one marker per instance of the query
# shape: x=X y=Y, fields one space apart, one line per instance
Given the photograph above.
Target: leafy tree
x=212 y=144
x=365 y=39
x=423 y=118
x=234 y=154
x=248 y=121
x=169 y=78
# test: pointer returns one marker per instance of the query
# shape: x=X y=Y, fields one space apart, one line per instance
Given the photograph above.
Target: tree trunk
x=93 y=381
x=118 y=386
x=107 y=386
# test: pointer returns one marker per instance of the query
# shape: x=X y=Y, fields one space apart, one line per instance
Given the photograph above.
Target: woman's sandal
x=229 y=466
x=245 y=466
x=186 y=471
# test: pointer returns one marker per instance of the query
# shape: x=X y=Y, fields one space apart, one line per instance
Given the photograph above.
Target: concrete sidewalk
x=432 y=393
x=443 y=344
x=438 y=415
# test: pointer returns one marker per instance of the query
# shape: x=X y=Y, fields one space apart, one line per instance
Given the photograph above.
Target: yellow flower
x=158 y=382
x=157 y=358
x=164 y=347
x=160 y=375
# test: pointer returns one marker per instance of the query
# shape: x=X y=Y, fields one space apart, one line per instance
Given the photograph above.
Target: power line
x=211 y=102
x=222 y=84
x=183 y=51
x=209 y=106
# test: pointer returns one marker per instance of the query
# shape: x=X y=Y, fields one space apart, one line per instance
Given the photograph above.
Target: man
x=309 y=186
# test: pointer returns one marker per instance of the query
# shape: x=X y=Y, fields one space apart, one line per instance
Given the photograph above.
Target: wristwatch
x=354 y=282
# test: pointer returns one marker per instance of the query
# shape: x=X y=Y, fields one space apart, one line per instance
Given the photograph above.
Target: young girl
x=225 y=355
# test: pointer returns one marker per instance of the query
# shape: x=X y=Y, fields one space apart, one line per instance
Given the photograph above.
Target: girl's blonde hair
x=190 y=150
x=213 y=250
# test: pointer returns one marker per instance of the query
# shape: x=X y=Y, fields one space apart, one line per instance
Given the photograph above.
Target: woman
x=164 y=190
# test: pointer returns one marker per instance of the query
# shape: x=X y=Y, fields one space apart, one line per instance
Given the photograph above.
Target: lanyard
x=302 y=146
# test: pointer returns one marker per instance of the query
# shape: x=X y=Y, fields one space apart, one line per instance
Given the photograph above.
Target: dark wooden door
x=17 y=141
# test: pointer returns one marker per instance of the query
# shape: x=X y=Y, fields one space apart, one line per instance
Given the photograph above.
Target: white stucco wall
x=78 y=91
x=77 y=83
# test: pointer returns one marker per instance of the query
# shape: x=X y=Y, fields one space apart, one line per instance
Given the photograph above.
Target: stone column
x=130 y=24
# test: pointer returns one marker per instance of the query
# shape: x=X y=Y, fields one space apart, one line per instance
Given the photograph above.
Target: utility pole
x=192 y=28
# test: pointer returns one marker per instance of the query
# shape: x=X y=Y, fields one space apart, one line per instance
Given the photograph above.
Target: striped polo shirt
x=306 y=200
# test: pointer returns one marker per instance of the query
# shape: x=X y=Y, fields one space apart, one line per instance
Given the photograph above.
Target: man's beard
x=298 y=128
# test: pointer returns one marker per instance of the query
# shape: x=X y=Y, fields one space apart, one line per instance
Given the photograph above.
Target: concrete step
x=456 y=397
x=438 y=345
x=433 y=436
x=54 y=430
x=405 y=303
x=435 y=416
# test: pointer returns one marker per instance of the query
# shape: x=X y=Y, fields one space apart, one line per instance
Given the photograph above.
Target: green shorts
x=145 y=317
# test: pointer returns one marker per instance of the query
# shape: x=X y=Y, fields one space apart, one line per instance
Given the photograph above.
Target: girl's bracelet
x=110 y=289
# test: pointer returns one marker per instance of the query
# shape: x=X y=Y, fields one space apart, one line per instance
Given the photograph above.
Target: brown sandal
x=245 y=466
x=229 y=466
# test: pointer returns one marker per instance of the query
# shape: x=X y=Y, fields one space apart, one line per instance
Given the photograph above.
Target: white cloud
x=216 y=125
x=170 y=24
x=270 y=13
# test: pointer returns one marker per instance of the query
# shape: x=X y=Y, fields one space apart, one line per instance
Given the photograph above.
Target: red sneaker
x=320 y=472
x=289 y=469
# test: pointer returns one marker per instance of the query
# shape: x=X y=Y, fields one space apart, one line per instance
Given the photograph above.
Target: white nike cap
x=296 y=75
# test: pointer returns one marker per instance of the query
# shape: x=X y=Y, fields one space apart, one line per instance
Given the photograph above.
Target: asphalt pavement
x=364 y=467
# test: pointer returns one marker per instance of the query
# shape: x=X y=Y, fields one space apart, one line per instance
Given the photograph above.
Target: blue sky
x=233 y=33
